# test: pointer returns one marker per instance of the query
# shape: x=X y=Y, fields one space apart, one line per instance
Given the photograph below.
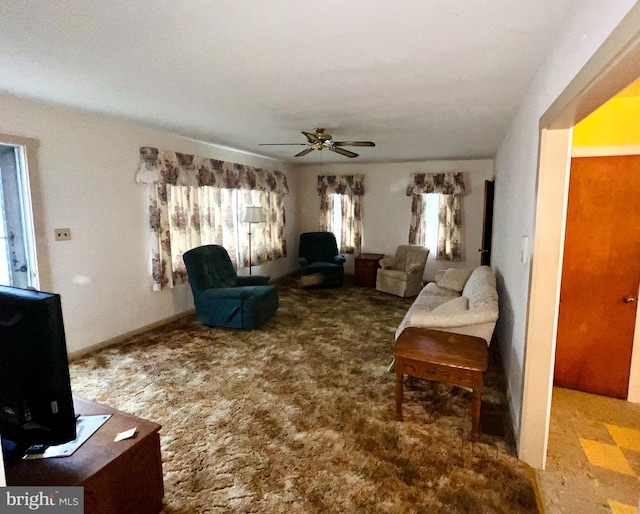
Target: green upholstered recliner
x=318 y=256
x=222 y=297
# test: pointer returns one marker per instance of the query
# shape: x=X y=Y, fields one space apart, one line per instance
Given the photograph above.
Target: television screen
x=36 y=404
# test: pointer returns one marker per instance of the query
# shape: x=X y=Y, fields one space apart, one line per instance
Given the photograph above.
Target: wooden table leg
x=476 y=403
x=399 y=391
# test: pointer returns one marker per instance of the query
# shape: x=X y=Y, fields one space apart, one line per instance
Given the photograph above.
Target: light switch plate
x=62 y=234
x=525 y=250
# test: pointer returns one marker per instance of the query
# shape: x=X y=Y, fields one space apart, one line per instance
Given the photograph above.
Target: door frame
x=487 y=222
x=42 y=272
x=613 y=66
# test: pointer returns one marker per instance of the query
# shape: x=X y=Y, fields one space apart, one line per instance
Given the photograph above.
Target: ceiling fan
x=319 y=140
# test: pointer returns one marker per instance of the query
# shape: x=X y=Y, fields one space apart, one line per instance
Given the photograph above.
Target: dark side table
x=366 y=269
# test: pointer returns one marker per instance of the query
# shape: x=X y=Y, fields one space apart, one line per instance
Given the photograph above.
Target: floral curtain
x=350 y=188
x=351 y=230
x=195 y=201
x=268 y=242
x=451 y=188
x=325 y=223
x=449 y=228
x=416 y=226
x=179 y=169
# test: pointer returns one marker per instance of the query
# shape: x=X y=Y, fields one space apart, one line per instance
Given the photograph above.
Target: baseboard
x=122 y=337
x=532 y=474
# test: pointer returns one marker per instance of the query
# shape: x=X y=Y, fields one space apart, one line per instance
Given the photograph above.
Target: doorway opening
x=18 y=265
x=614 y=66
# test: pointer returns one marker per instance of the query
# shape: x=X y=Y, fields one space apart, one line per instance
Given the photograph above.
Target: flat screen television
x=36 y=404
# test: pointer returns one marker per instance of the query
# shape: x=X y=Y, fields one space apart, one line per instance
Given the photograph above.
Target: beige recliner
x=402 y=275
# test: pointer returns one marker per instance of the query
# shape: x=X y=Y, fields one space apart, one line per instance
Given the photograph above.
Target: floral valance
x=163 y=167
x=439 y=183
x=341 y=184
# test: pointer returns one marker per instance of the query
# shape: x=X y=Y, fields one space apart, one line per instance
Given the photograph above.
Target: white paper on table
x=125 y=435
x=86 y=426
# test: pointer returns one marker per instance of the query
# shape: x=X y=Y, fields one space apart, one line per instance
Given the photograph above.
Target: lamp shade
x=254 y=215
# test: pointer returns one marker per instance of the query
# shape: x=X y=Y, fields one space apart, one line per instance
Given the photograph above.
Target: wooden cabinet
x=118 y=477
x=366 y=268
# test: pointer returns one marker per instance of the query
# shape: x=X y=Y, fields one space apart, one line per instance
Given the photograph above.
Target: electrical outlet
x=62 y=234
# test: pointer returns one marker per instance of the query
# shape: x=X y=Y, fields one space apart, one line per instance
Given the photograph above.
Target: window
x=208 y=215
x=449 y=189
x=341 y=214
x=197 y=200
x=336 y=221
x=341 y=209
x=431 y=210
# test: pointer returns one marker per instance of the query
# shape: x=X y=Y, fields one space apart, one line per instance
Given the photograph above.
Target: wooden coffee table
x=454 y=359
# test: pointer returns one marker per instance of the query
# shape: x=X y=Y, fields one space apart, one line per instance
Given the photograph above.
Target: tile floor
x=593 y=459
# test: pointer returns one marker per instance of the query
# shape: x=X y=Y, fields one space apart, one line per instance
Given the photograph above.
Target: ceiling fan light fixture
x=319 y=140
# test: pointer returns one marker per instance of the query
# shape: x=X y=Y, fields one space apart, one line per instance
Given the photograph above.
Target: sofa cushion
x=454 y=279
x=453 y=306
x=431 y=319
x=434 y=289
x=481 y=289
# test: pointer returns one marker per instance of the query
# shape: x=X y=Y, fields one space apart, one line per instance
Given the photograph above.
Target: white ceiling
x=424 y=79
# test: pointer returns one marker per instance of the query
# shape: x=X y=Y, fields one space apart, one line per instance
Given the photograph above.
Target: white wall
x=386 y=209
x=85 y=175
x=516 y=166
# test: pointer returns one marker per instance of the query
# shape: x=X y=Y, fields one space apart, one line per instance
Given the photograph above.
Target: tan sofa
x=402 y=275
x=460 y=301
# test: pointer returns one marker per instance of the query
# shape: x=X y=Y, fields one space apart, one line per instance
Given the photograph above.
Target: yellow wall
x=616 y=123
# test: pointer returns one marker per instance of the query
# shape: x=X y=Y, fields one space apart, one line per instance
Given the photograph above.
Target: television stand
x=117 y=477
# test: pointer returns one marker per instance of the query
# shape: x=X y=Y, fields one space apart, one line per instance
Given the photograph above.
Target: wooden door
x=487 y=223
x=600 y=274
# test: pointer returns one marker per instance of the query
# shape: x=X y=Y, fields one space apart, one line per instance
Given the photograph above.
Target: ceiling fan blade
x=282 y=144
x=354 y=143
x=342 y=151
x=304 y=152
x=312 y=138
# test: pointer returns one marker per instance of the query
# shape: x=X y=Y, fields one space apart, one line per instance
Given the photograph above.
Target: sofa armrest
x=302 y=261
x=427 y=319
x=253 y=280
x=339 y=259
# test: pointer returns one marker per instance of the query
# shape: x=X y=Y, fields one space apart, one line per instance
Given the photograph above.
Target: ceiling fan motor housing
x=321 y=135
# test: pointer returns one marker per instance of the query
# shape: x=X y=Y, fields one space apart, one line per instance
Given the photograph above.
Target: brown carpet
x=299 y=415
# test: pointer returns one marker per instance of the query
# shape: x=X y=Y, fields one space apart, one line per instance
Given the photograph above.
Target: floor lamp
x=253 y=214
